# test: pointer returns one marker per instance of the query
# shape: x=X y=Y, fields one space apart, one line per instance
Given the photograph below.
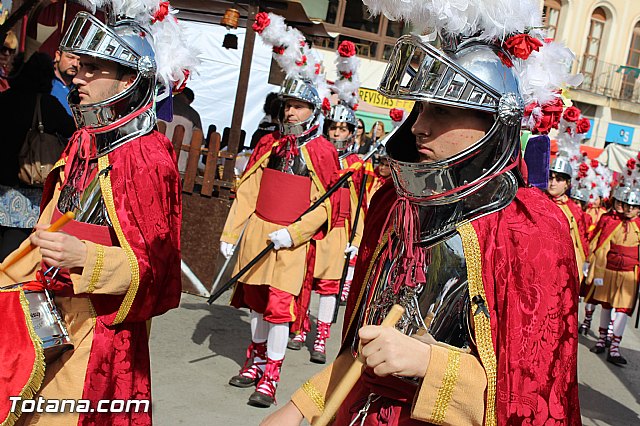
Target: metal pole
x=241 y=97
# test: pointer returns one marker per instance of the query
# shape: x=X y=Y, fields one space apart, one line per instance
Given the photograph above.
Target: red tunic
x=529 y=276
x=145 y=186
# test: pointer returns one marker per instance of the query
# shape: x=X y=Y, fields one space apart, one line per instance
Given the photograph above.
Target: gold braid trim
x=37 y=372
x=97 y=268
x=317 y=182
x=446 y=390
x=376 y=253
x=314 y=395
x=471 y=248
x=107 y=194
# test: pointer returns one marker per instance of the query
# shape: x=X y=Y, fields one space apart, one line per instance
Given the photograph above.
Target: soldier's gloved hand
x=585 y=268
x=281 y=239
x=351 y=251
x=598 y=282
x=227 y=249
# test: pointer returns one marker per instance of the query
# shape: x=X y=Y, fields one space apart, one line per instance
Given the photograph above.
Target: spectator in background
x=362 y=140
x=7 y=53
x=269 y=122
x=65 y=67
x=183 y=115
x=20 y=205
x=377 y=132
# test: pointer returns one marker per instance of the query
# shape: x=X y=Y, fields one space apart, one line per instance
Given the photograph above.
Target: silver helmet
x=128 y=44
x=619 y=192
x=631 y=197
x=561 y=165
x=580 y=194
x=471 y=76
x=342 y=113
x=302 y=90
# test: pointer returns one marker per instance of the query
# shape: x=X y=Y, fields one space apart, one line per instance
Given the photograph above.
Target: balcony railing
x=611 y=80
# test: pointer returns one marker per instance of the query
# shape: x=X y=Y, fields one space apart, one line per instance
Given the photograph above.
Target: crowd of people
x=435 y=216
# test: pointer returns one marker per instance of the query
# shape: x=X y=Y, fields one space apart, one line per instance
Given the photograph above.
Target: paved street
x=196 y=348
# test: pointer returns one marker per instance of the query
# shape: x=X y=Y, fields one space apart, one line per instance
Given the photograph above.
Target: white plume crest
x=347 y=82
x=490 y=19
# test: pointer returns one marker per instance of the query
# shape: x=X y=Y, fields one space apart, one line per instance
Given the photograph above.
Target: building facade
x=603 y=34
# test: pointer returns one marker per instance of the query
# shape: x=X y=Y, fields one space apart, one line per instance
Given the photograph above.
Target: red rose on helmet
x=595 y=163
x=571 y=114
x=631 y=163
x=521 y=45
x=161 y=13
x=593 y=185
x=584 y=168
x=396 y=114
x=279 y=50
x=262 y=22
x=347 y=49
x=551 y=113
x=355 y=107
x=583 y=125
x=302 y=61
x=326 y=106
x=346 y=75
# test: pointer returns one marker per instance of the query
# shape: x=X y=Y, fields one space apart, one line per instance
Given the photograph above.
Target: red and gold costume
x=523 y=370
x=131 y=273
x=268 y=200
x=325 y=258
x=615 y=260
x=577 y=227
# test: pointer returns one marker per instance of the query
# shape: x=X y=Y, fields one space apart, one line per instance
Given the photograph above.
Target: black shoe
x=241 y=381
x=258 y=399
x=616 y=359
x=318 y=357
x=597 y=349
x=607 y=342
x=583 y=329
x=295 y=345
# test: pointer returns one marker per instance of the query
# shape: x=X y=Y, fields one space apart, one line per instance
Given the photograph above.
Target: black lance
x=217 y=293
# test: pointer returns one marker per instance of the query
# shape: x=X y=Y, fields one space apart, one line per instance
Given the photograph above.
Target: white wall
x=216 y=83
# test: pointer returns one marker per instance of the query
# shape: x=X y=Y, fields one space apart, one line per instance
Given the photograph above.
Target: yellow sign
x=373 y=97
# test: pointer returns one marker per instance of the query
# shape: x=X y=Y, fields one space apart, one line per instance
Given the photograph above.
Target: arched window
x=594 y=39
x=631 y=71
x=552 y=17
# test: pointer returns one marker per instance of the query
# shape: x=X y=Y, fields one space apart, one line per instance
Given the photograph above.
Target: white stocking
x=619 y=323
x=277 y=341
x=326 y=307
x=259 y=328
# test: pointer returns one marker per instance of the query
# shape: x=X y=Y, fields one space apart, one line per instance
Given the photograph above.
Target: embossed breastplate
x=441 y=307
x=88 y=205
x=295 y=165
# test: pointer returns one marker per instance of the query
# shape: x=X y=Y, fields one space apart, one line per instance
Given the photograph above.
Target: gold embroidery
x=314 y=395
x=296 y=230
x=97 y=268
x=37 y=372
x=472 y=253
x=446 y=390
x=107 y=193
x=376 y=253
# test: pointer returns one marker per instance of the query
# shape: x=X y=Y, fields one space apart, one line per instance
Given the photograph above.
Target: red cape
x=142 y=192
x=607 y=224
x=530 y=279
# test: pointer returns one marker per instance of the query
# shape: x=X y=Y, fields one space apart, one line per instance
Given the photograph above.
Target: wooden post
x=241 y=98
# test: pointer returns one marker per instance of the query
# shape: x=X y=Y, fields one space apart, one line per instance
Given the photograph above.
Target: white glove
x=227 y=249
x=585 y=268
x=281 y=239
x=351 y=251
x=598 y=282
